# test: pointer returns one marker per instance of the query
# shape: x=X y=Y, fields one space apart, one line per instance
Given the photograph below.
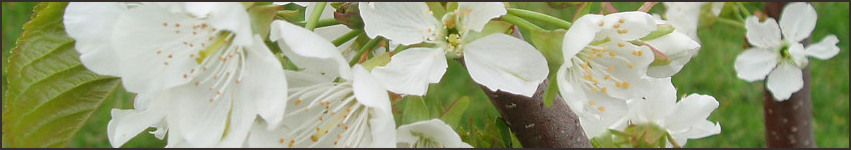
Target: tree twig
x=535 y=124
x=789 y=123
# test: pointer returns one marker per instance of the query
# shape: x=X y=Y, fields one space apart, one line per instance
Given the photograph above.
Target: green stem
x=539 y=16
x=520 y=22
x=738 y=13
x=744 y=9
x=399 y=48
x=346 y=37
x=314 y=16
x=367 y=47
x=326 y=22
x=732 y=22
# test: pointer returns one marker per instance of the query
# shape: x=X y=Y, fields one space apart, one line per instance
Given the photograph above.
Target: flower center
x=320 y=110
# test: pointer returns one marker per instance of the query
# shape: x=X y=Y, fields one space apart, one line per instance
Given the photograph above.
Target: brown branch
x=535 y=124
x=788 y=123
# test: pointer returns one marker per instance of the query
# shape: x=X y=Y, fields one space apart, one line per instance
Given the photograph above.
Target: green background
x=710 y=72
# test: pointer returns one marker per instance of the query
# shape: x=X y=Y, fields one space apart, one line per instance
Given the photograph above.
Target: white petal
x=230 y=16
x=635 y=25
x=91 y=24
x=310 y=51
x=662 y=98
x=262 y=84
x=300 y=79
x=691 y=111
x=679 y=48
x=126 y=124
x=369 y=92
x=261 y=137
x=605 y=113
x=154 y=53
x=755 y=63
x=579 y=35
x=474 y=15
x=241 y=119
x=699 y=130
x=502 y=62
x=403 y=22
x=435 y=130
x=410 y=71
x=765 y=34
x=797 y=21
x=798 y=55
x=784 y=80
x=570 y=88
x=825 y=49
x=202 y=124
x=382 y=128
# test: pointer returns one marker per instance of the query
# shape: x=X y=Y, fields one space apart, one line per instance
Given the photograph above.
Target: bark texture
x=535 y=124
x=789 y=123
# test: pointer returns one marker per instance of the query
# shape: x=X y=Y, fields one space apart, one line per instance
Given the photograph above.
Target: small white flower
x=782 y=58
x=428 y=134
x=684 y=16
x=321 y=112
x=198 y=63
x=497 y=61
x=683 y=120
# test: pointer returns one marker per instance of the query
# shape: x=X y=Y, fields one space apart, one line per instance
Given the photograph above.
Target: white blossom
x=782 y=59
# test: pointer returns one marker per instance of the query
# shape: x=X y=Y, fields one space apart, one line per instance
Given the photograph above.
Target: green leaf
x=490 y=28
x=50 y=94
x=380 y=60
x=261 y=17
x=456 y=111
x=415 y=110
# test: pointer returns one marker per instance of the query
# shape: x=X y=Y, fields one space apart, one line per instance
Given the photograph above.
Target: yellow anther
x=617 y=25
x=601 y=23
x=626 y=85
x=603 y=90
x=612 y=54
x=621 y=21
x=298 y=101
x=601 y=108
x=593 y=89
x=618 y=84
x=592 y=102
x=610 y=68
x=607 y=77
x=621 y=45
x=631 y=65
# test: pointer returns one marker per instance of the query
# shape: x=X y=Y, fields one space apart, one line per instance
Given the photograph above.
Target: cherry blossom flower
x=497 y=61
x=198 y=63
x=782 y=59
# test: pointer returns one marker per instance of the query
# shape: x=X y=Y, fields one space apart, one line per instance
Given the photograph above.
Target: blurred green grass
x=710 y=72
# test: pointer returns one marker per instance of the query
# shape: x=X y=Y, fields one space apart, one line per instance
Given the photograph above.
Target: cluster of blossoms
x=621 y=76
x=207 y=75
